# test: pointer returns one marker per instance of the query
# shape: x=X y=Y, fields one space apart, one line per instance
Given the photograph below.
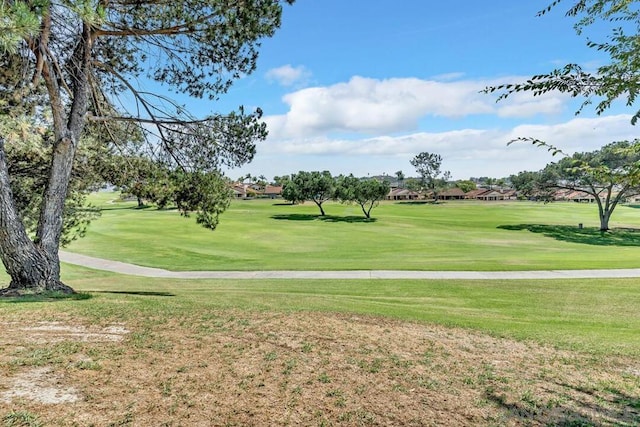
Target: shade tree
x=315 y=186
x=466 y=185
x=609 y=175
x=617 y=79
x=365 y=192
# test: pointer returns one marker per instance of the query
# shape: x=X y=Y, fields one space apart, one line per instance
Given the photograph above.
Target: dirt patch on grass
x=239 y=368
x=41 y=385
x=49 y=332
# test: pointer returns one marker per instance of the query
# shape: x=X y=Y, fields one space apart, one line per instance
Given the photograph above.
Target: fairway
x=273 y=235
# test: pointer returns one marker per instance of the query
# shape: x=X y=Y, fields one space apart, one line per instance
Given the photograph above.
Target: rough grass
x=164 y=353
x=268 y=235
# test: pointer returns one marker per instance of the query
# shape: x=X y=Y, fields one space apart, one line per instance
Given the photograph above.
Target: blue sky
x=355 y=86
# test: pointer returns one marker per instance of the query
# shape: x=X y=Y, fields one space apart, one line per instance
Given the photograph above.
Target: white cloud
x=288 y=75
x=370 y=106
x=449 y=76
x=465 y=152
x=526 y=105
x=381 y=127
x=581 y=134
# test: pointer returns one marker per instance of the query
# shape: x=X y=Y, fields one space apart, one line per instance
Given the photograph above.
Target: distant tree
x=466 y=185
x=609 y=175
x=205 y=193
x=316 y=186
x=365 y=192
x=413 y=184
x=534 y=185
x=261 y=182
x=400 y=178
x=292 y=192
x=137 y=176
x=281 y=180
x=428 y=166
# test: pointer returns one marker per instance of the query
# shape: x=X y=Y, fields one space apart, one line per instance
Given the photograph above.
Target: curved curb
x=136 y=270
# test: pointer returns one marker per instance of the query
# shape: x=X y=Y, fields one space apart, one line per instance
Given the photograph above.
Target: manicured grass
x=595 y=316
x=272 y=235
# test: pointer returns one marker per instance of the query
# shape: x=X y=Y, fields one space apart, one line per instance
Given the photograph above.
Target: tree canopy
x=316 y=186
x=609 y=175
x=428 y=165
x=365 y=192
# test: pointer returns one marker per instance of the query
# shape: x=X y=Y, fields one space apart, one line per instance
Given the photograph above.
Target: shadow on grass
x=326 y=218
x=46 y=297
x=580 y=408
x=416 y=202
x=115 y=207
x=144 y=293
x=587 y=236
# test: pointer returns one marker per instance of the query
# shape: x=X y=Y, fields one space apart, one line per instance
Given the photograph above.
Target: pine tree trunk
x=32 y=270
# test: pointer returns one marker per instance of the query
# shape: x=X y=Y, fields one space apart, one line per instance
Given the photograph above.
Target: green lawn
x=271 y=235
x=595 y=316
x=598 y=315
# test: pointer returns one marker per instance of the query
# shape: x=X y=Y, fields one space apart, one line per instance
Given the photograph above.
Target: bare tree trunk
x=50 y=223
x=366 y=209
x=604 y=220
x=31 y=270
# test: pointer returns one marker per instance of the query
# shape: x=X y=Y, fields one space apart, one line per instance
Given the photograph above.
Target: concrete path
x=136 y=270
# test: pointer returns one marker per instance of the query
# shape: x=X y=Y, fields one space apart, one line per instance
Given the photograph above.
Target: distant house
x=402 y=194
x=473 y=194
x=245 y=191
x=239 y=191
x=492 y=195
x=510 y=194
x=273 y=191
x=452 y=194
x=580 y=197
